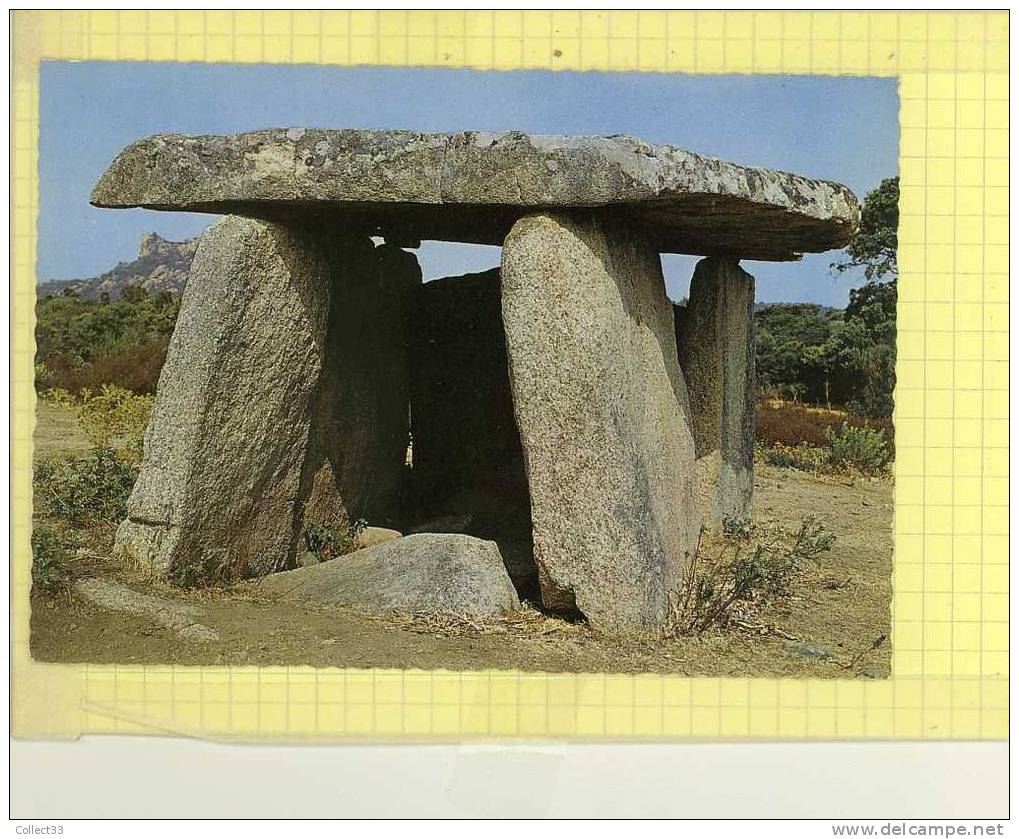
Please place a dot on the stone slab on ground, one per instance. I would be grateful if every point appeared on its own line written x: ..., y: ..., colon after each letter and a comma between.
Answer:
x: 376, y: 536
x: 179, y: 618
x: 816, y: 652
x: 473, y: 186
x: 426, y: 572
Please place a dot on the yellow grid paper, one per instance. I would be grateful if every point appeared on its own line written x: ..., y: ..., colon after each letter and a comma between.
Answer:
x: 950, y: 607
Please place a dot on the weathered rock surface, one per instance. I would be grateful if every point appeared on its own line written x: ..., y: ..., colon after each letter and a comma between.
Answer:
x: 474, y: 186
x: 306, y: 558
x: 805, y: 649
x: 283, y: 399
x: 715, y: 341
x: 180, y: 618
x: 376, y: 536
x: 427, y: 572
x: 603, y: 416
x: 467, y: 456
x: 360, y: 427
x: 225, y: 448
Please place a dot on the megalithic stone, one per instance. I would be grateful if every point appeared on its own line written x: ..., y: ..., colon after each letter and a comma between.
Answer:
x: 603, y: 416
x: 473, y: 186
x: 248, y: 397
x: 467, y: 457
x: 225, y: 448
x: 715, y: 340
x: 360, y: 429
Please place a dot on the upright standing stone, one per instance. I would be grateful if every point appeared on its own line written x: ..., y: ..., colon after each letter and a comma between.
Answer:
x: 467, y: 456
x: 225, y: 448
x: 361, y: 427
x: 715, y: 339
x: 603, y: 416
x: 267, y: 360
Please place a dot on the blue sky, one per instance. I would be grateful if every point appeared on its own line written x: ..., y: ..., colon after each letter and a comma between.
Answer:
x: 843, y: 129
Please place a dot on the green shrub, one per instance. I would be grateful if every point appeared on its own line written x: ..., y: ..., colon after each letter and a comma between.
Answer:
x: 214, y: 566
x: 721, y: 594
x: 811, y: 540
x: 859, y: 448
x: 726, y: 590
x: 84, y: 491
x: 328, y: 543
x: 88, y: 343
x: 135, y: 368
x: 44, y: 378
x: 737, y: 529
x: 111, y: 417
x: 791, y: 423
x: 803, y: 456
x: 50, y: 553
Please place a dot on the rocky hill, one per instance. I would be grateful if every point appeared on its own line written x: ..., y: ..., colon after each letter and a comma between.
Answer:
x: 161, y: 266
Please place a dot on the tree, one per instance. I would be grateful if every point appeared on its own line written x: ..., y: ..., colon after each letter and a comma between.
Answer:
x: 873, y: 306
x: 831, y: 356
x: 783, y: 330
x: 871, y: 309
x: 874, y: 246
x: 843, y: 356
x: 163, y: 300
x: 133, y: 293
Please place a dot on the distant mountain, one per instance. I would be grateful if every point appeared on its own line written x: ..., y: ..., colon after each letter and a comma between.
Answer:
x: 161, y: 266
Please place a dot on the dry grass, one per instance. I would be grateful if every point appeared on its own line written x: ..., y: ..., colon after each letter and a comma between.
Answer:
x: 57, y: 432
x: 839, y: 599
x: 136, y: 369
x: 731, y: 578
x: 727, y: 602
x: 792, y: 423
x: 525, y: 622
x: 735, y: 573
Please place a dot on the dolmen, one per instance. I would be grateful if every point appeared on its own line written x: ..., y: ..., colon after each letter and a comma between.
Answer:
x: 560, y: 406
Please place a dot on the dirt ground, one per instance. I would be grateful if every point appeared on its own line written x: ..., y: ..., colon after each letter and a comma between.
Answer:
x: 841, y: 601
x: 57, y: 432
